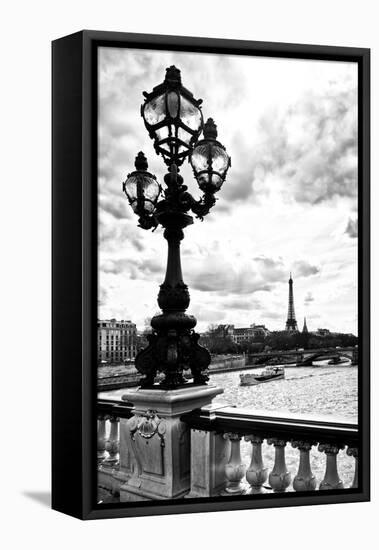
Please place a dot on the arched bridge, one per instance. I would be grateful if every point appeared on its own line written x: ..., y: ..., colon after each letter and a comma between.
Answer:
x: 338, y: 354
x: 304, y: 358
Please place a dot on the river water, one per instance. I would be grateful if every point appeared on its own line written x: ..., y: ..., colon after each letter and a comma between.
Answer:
x: 319, y: 390
x: 324, y: 390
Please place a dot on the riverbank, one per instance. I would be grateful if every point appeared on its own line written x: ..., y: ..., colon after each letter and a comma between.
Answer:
x: 126, y: 376
x: 112, y: 377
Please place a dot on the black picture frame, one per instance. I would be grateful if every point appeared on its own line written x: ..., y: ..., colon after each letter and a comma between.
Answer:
x: 74, y: 270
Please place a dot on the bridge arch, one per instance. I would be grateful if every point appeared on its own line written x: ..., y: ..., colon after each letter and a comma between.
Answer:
x: 308, y: 359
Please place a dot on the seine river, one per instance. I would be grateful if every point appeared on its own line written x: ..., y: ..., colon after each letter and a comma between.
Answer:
x: 320, y: 390
x: 325, y: 390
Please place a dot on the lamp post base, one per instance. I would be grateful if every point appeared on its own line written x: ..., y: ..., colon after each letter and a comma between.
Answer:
x: 173, y: 349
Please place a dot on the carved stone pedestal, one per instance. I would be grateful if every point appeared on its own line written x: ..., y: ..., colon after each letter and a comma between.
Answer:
x: 159, y: 443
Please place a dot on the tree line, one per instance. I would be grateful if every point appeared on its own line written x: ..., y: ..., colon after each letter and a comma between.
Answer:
x: 219, y: 343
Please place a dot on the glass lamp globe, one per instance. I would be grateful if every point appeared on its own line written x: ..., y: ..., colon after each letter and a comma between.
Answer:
x: 142, y: 188
x: 172, y: 117
x: 209, y: 160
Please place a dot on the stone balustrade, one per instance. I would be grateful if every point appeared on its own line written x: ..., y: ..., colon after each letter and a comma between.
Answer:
x: 213, y: 437
x: 304, y: 434
x: 110, y: 463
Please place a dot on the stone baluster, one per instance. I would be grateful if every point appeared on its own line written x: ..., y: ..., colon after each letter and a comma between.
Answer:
x: 304, y: 479
x: 234, y: 469
x: 280, y: 477
x: 112, y: 444
x: 256, y: 473
x: 331, y: 479
x: 353, y: 451
x: 101, y: 419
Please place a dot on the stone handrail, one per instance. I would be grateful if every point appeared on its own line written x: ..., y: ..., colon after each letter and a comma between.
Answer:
x: 217, y: 433
x: 214, y: 435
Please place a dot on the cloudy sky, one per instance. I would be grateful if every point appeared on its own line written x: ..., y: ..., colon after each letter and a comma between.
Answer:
x: 289, y: 202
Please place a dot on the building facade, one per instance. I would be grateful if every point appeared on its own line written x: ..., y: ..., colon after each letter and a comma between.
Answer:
x: 323, y: 332
x: 259, y: 331
x: 238, y: 335
x: 116, y: 341
x: 247, y: 334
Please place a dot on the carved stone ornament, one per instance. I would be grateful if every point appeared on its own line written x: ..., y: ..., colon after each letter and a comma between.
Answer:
x: 330, y: 448
x: 276, y: 442
x: 303, y: 445
x: 255, y: 439
x: 147, y: 426
x: 352, y: 451
x: 232, y: 436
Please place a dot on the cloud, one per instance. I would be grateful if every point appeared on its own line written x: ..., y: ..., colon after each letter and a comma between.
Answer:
x: 242, y: 304
x: 352, y: 228
x: 221, y: 206
x: 243, y: 282
x: 102, y: 297
x: 243, y: 178
x: 207, y: 315
x: 139, y: 268
x: 118, y: 207
x: 271, y: 269
x: 116, y: 267
x: 258, y: 274
x: 274, y: 270
x: 152, y: 265
x: 117, y: 236
x: 215, y: 273
x: 308, y: 298
x: 273, y: 315
x: 308, y: 150
x: 303, y: 268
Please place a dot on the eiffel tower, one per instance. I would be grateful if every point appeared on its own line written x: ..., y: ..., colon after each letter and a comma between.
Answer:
x: 291, y: 324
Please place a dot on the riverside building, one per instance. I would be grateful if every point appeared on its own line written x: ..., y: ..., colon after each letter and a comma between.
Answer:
x: 237, y: 335
x: 116, y: 341
x: 247, y: 334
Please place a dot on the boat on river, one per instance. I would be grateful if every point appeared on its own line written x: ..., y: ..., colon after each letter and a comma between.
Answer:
x: 267, y: 375
x: 339, y: 360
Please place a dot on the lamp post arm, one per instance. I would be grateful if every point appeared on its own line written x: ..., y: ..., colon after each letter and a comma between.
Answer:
x: 203, y: 206
x: 147, y: 222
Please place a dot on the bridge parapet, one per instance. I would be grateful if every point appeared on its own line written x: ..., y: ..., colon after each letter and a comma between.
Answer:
x: 331, y: 353
x: 232, y: 425
x: 209, y: 442
x: 302, y: 357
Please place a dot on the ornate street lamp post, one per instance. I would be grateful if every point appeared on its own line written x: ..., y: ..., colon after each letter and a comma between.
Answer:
x: 174, y: 121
